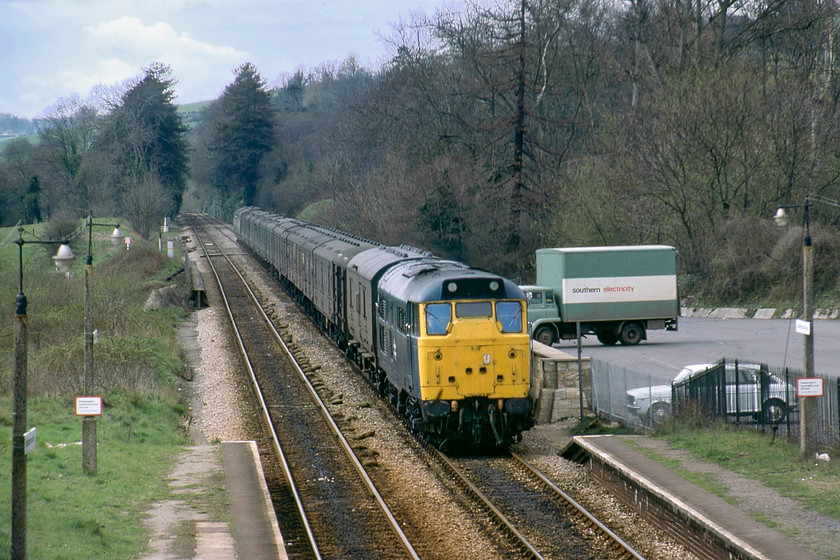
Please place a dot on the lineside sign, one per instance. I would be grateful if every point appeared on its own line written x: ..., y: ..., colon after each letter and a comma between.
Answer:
x: 809, y: 387
x: 88, y: 406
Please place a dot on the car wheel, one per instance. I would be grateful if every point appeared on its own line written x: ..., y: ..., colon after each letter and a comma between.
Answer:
x: 544, y: 335
x: 607, y: 338
x: 631, y: 334
x: 659, y: 412
x: 774, y: 411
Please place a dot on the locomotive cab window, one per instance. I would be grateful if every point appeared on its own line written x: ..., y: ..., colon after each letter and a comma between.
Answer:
x: 472, y: 309
x: 509, y: 315
x: 438, y: 318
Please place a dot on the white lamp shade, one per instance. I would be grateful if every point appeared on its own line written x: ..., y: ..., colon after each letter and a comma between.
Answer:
x: 64, y: 259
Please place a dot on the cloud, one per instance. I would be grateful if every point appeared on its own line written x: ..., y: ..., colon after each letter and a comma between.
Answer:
x: 160, y: 40
x: 57, y: 48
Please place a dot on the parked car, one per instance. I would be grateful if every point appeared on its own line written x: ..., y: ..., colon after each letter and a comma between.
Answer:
x: 653, y: 404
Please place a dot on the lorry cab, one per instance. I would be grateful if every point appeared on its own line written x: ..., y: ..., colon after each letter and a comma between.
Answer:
x: 542, y: 311
x: 541, y: 304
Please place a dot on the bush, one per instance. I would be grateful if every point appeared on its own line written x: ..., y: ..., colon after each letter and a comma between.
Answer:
x: 137, y: 351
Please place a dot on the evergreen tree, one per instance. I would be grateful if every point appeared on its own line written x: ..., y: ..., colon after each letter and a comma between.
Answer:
x: 243, y: 132
x: 148, y: 140
x: 31, y: 207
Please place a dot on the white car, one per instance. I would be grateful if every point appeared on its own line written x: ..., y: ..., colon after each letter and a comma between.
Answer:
x: 653, y: 404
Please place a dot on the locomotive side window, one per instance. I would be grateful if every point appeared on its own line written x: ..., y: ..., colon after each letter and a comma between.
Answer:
x: 509, y: 315
x: 438, y: 317
x: 474, y: 309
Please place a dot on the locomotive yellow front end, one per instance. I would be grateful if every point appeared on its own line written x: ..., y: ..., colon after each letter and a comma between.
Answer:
x: 474, y: 369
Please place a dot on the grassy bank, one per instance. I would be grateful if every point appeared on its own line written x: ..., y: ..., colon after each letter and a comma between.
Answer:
x: 137, y: 360
x: 71, y: 514
x: 774, y: 462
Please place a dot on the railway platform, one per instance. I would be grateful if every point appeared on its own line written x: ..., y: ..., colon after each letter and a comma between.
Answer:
x: 706, y: 524
x: 255, y: 531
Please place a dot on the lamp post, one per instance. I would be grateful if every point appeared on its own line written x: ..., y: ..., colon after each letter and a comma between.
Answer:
x: 89, y: 422
x: 63, y: 265
x: 808, y: 412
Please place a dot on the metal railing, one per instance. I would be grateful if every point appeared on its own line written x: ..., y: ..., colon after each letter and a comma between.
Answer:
x: 747, y: 393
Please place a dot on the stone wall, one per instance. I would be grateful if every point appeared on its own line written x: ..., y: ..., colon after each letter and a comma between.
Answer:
x: 554, y: 384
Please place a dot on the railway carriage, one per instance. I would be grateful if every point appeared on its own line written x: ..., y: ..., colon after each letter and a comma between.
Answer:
x: 446, y: 343
x: 330, y: 283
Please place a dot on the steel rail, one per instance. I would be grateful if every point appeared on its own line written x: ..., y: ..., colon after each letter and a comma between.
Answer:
x: 580, y: 510
x: 323, y: 408
x: 523, y: 541
x: 278, y: 450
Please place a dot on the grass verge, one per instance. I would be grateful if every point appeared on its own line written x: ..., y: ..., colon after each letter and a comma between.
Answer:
x: 71, y: 514
x: 774, y: 462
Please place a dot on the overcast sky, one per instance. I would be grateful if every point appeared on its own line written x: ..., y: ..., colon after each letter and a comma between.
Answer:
x: 50, y: 49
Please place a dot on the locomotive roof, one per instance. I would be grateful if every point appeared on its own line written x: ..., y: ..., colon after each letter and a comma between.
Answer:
x: 432, y: 279
x: 374, y: 261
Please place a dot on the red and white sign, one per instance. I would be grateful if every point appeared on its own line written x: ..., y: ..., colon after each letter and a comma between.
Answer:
x: 809, y: 387
x: 88, y: 406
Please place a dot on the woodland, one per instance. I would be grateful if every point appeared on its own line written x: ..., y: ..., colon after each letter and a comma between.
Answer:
x: 493, y: 131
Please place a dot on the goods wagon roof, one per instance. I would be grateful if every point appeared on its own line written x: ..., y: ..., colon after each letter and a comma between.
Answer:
x: 306, y: 237
x: 281, y: 225
x: 244, y: 210
x: 438, y: 280
x: 341, y: 249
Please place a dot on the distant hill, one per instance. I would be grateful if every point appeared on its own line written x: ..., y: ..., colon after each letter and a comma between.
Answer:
x: 191, y: 112
x: 12, y: 126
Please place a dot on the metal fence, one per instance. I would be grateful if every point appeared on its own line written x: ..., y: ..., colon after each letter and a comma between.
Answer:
x: 743, y: 392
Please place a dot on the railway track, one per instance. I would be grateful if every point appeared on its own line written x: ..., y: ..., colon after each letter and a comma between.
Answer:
x: 339, y: 510
x: 522, y: 512
x: 542, y: 520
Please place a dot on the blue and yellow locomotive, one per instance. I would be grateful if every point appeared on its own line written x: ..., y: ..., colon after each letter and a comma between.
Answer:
x: 446, y: 343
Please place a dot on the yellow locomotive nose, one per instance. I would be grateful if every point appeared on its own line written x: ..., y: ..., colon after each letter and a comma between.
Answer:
x: 494, y: 366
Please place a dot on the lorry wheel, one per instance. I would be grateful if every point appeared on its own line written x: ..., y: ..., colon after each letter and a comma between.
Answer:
x: 631, y: 334
x: 544, y: 335
x: 607, y: 338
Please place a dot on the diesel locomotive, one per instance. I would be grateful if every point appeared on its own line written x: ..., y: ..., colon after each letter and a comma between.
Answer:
x: 447, y: 344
